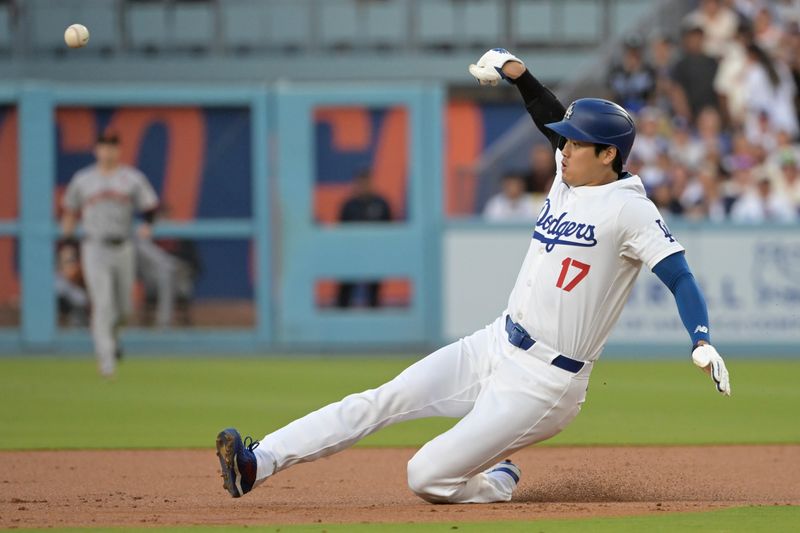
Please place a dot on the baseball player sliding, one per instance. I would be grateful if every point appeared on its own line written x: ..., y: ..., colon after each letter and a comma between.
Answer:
x: 107, y: 194
x: 523, y: 378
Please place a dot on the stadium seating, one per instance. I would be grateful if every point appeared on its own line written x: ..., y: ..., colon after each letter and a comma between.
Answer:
x: 482, y: 23
x: 6, y: 29
x: 533, y: 22
x: 339, y: 25
x: 585, y: 18
x: 288, y: 23
x: 418, y: 34
x: 193, y: 26
x: 242, y: 28
x: 386, y: 24
x: 436, y: 23
x: 147, y: 28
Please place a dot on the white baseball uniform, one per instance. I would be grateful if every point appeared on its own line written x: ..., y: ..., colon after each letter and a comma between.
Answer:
x: 107, y: 204
x: 587, y: 249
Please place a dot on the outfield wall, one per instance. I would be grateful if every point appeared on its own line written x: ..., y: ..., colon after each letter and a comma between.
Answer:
x: 250, y: 175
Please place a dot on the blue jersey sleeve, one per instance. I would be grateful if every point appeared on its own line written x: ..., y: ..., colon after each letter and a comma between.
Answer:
x: 674, y: 271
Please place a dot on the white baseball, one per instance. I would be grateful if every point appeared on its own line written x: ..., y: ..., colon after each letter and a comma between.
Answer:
x: 76, y: 36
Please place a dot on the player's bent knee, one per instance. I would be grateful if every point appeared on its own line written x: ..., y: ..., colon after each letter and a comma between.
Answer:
x: 426, y: 483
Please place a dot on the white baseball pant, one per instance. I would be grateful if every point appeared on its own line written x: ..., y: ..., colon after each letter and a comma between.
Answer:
x: 506, y: 398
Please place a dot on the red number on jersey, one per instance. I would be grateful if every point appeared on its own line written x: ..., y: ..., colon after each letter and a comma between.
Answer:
x: 583, y: 271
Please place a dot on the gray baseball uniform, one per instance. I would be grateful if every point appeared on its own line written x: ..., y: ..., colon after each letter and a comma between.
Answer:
x: 107, y: 204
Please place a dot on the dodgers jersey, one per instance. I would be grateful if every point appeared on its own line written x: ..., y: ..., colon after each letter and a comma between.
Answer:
x: 107, y: 202
x: 587, y: 249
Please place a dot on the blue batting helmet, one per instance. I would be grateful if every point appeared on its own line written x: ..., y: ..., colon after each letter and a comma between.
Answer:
x: 597, y: 121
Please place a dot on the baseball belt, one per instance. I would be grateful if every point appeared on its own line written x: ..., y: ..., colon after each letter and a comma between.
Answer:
x: 520, y: 338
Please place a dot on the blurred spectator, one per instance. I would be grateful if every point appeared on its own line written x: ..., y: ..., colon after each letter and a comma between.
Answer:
x: 759, y: 132
x: 770, y: 93
x: 742, y: 155
x: 716, y: 207
x: 762, y: 204
x: 634, y: 165
x: 632, y: 81
x: 73, y: 301
x: 649, y: 142
x: 711, y: 137
x: 365, y: 205
x: 747, y: 9
x: 766, y: 33
x: 543, y: 169
x: 693, y: 75
x: 658, y: 171
x: 684, y: 148
x: 785, y: 149
x: 786, y: 181
x: 729, y: 82
x: 703, y: 199
x: 791, y: 50
x: 511, y: 203
x: 662, y: 56
x: 787, y: 11
x: 719, y: 25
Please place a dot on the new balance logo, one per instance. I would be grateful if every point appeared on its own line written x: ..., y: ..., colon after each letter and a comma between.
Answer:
x: 701, y: 329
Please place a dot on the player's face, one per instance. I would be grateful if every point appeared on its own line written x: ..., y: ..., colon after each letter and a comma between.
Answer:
x: 107, y: 154
x: 581, y: 165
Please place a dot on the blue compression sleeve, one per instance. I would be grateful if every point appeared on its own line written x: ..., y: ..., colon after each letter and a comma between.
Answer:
x: 674, y: 271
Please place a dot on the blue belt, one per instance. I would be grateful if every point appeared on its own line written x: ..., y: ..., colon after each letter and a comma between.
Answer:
x: 520, y: 338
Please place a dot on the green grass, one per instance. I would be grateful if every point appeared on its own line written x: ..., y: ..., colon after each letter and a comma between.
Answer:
x: 180, y: 402
x: 749, y: 519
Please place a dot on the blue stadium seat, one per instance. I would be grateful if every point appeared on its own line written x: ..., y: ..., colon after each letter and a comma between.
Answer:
x: 147, y: 25
x: 437, y: 23
x: 48, y: 20
x: 533, y: 21
x: 482, y: 22
x: 194, y: 25
x: 289, y: 23
x: 386, y: 23
x: 100, y: 16
x: 581, y: 20
x: 243, y: 24
x: 339, y: 24
x: 6, y: 34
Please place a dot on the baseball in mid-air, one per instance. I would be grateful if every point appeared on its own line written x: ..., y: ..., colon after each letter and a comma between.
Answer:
x: 76, y: 36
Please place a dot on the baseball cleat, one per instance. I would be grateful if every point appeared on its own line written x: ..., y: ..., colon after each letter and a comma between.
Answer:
x: 507, y: 467
x: 237, y: 461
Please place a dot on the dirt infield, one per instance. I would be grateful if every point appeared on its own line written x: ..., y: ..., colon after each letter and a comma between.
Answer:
x: 104, y: 488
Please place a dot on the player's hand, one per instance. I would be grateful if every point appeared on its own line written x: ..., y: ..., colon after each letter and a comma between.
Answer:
x: 706, y: 357
x: 489, y: 68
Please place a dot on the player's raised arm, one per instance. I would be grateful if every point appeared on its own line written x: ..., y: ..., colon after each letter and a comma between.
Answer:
x: 541, y: 103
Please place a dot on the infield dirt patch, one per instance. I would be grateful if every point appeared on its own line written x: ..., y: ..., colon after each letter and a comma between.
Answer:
x: 171, y: 487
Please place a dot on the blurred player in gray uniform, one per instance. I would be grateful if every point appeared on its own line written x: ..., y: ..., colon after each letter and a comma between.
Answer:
x: 107, y: 194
